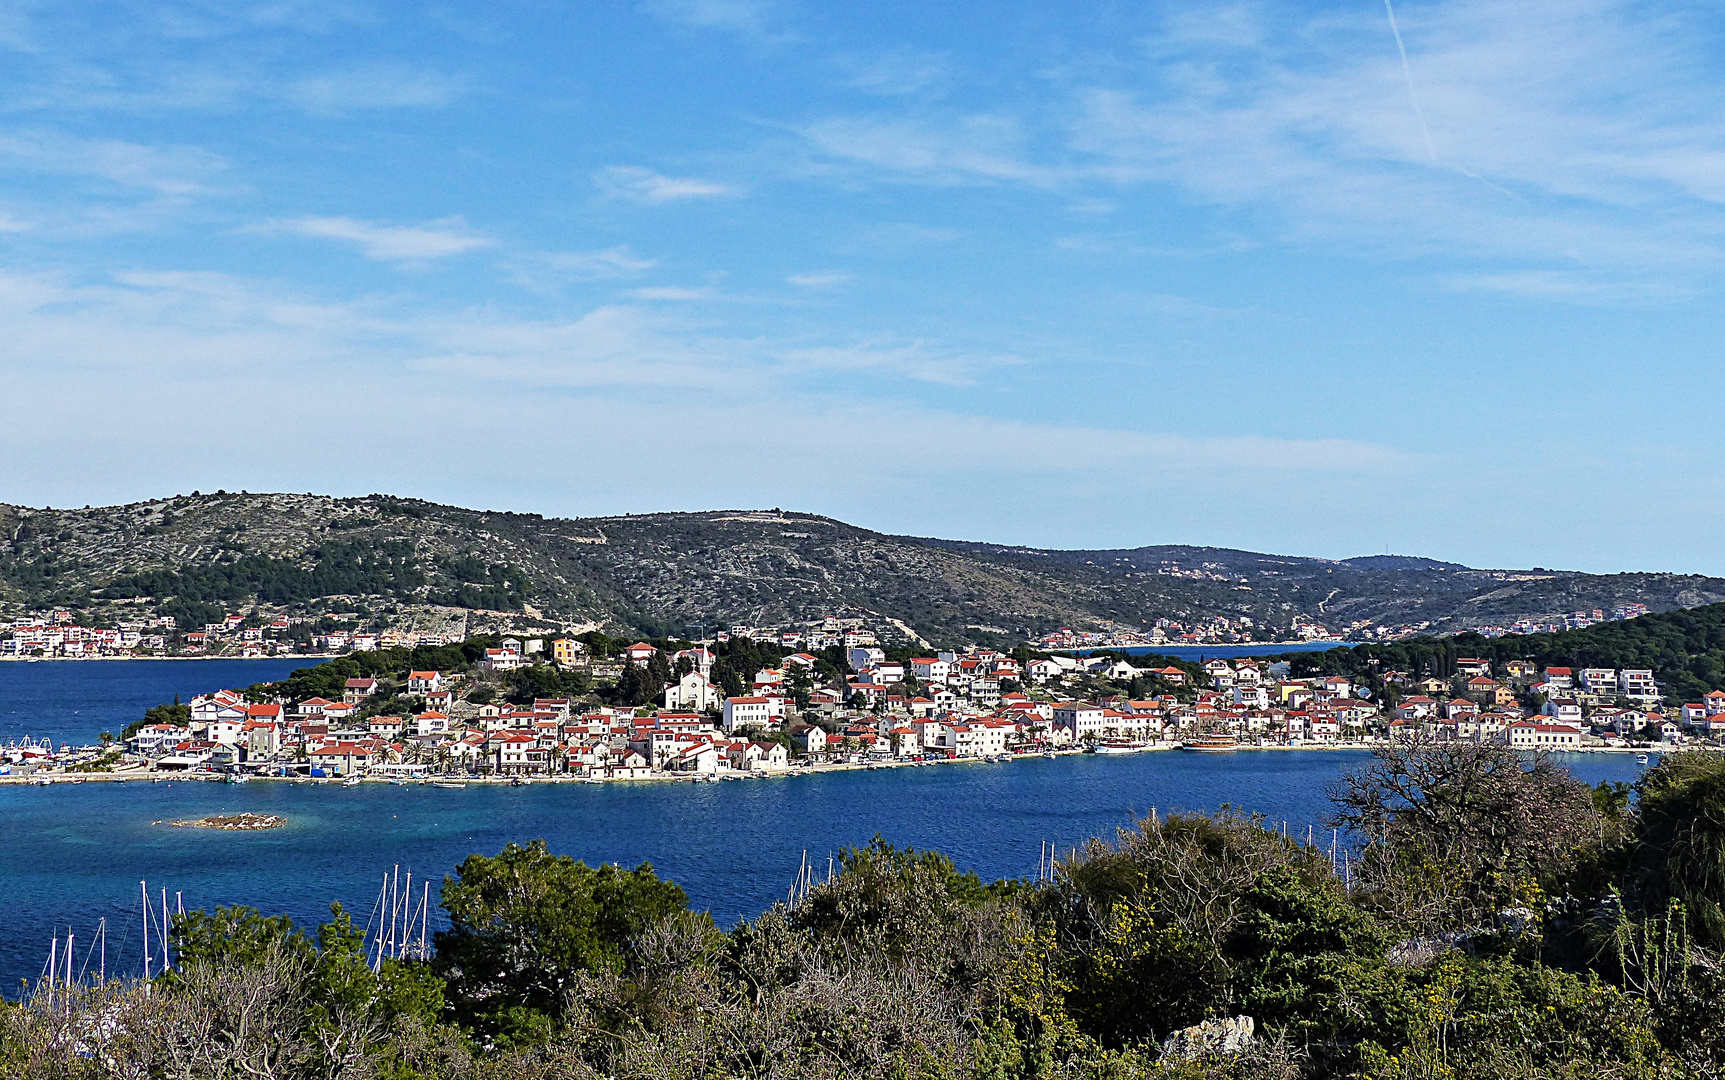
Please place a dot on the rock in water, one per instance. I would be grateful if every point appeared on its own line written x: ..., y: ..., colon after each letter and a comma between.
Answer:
x: 1226, y: 1037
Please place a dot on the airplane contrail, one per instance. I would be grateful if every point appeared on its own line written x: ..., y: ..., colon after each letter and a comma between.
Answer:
x: 1408, y: 74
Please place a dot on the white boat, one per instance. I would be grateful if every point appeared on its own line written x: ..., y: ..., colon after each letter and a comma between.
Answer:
x: 1118, y: 746
x: 450, y: 785
x: 1641, y: 759
x: 350, y: 781
x: 1212, y: 743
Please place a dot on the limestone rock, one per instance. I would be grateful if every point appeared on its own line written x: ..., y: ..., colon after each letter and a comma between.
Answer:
x: 1225, y: 1037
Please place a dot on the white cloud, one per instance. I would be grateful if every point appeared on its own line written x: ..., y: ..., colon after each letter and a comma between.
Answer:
x: 169, y: 171
x: 899, y: 72
x: 739, y: 15
x: 965, y: 149
x: 676, y: 293
x: 388, y: 243
x: 826, y: 279
x: 919, y: 361
x: 550, y: 269
x: 645, y: 185
x: 1583, y: 134
x: 902, y: 236
x: 377, y: 86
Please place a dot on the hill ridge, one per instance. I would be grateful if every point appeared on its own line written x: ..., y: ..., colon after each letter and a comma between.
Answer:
x: 676, y: 570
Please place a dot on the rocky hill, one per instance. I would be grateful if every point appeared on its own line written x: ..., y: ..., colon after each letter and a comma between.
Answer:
x: 200, y: 554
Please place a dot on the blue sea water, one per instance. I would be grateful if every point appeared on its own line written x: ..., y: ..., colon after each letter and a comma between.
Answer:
x: 73, y: 701
x: 76, y: 854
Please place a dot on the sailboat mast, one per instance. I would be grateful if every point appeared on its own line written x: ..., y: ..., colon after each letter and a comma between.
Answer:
x: 144, y: 888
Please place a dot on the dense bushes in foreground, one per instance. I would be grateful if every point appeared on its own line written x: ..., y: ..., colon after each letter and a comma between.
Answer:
x: 1497, y: 920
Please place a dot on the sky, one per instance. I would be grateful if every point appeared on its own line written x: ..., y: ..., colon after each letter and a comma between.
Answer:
x: 1310, y: 278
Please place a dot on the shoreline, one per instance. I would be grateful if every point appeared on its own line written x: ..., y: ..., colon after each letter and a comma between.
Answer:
x: 171, y: 777
x: 98, y: 659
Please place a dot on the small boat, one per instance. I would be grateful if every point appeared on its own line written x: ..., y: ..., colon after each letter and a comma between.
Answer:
x: 450, y: 785
x: 1641, y: 759
x: 398, y: 782
x: 592, y: 780
x: 238, y: 778
x: 519, y: 781
x: 1212, y: 743
x: 350, y: 781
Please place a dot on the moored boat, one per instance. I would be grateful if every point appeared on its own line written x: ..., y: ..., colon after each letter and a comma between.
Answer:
x: 1214, y: 742
x: 1118, y: 746
x: 451, y: 785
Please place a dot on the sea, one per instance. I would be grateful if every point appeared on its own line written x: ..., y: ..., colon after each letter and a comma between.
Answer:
x: 76, y: 855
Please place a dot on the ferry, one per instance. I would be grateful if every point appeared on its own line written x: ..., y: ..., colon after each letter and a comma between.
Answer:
x: 1212, y: 743
x: 1119, y: 746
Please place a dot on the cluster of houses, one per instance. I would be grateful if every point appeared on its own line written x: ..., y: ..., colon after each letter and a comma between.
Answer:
x: 57, y: 634
x: 979, y: 703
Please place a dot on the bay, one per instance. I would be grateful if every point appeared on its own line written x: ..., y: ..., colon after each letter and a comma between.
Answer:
x: 76, y: 854
x: 74, y: 701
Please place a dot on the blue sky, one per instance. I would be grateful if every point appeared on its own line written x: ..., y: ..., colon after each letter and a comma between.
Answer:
x: 1074, y: 275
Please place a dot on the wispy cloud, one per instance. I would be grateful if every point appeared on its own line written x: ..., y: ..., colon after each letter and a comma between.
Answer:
x: 1578, y: 133
x: 747, y: 16
x: 388, y: 243
x: 899, y: 72
x: 920, y: 361
x: 550, y: 269
x: 964, y: 149
x: 376, y: 86
x: 645, y: 185
x: 676, y: 293
x: 826, y: 279
x: 170, y: 171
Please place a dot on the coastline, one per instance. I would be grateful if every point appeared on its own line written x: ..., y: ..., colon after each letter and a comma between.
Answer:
x: 99, y: 659
x: 176, y: 776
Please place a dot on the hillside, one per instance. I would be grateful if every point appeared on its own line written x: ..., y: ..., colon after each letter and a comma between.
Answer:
x: 1684, y: 649
x: 201, y: 554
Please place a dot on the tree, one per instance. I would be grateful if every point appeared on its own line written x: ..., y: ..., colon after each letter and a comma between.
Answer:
x: 525, y: 923
x: 1457, y: 830
x: 1679, y: 850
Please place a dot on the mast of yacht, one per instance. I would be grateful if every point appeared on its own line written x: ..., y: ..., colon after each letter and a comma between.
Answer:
x: 144, y: 887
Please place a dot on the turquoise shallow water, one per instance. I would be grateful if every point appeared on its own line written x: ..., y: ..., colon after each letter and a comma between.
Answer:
x: 74, y: 854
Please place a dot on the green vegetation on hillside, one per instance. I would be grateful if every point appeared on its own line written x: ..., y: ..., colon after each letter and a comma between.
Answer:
x: 671, y: 574
x: 1494, y: 921
x: 1684, y: 649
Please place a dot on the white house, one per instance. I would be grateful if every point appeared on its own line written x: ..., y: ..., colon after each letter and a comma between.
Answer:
x: 1529, y: 735
x: 751, y: 711
x: 1079, y: 718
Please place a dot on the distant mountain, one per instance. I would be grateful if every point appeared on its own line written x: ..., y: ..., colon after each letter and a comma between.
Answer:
x: 199, y: 554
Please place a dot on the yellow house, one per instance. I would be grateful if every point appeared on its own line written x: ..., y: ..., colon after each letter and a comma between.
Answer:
x: 565, y: 650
